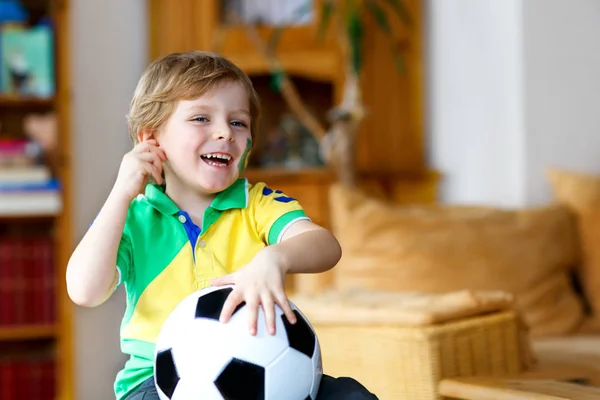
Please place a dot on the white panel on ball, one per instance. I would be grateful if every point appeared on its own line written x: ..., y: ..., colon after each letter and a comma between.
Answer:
x: 277, y: 377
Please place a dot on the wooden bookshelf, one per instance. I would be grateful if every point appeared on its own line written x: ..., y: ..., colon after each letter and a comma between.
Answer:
x: 54, y: 339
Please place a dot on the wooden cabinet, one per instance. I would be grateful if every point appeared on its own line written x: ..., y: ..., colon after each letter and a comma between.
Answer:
x: 391, y: 144
x: 36, y: 334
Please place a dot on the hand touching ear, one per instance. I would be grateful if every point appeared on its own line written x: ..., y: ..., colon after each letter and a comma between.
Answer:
x: 143, y: 161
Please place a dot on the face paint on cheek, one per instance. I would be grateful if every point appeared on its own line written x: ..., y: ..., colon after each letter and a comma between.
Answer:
x: 244, y: 159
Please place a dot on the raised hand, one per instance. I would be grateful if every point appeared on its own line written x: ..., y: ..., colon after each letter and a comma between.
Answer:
x: 144, y: 160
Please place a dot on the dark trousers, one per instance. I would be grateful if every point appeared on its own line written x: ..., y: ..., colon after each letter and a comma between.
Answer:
x: 330, y: 389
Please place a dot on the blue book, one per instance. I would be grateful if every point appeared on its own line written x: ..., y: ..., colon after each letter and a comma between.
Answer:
x: 52, y: 185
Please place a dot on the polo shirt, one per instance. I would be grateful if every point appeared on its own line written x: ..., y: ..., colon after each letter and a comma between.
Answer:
x: 163, y: 257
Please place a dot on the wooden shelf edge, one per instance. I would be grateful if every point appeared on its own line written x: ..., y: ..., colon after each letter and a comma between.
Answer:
x: 327, y: 174
x: 320, y: 65
x: 19, y: 101
x: 27, y: 332
x: 33, y: 217
x: 255, y: 175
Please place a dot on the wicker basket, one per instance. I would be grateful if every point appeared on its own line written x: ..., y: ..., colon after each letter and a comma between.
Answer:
x: 407, y: 362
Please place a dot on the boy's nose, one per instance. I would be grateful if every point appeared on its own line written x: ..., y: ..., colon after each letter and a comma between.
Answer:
x: 223, y: 133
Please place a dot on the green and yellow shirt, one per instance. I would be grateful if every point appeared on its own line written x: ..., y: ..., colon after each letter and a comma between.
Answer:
x: 163, y: 257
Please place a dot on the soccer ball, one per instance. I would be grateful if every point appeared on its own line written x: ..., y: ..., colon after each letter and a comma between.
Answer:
x: 198, y: 357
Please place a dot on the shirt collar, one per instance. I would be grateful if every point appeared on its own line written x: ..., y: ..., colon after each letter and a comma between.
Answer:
x: 235, y: 196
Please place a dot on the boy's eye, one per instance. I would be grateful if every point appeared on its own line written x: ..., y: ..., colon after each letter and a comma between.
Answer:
x: 200, y: 119
x: 239, y: 123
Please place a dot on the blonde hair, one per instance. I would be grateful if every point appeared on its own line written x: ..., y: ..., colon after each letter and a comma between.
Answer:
x: 182, y: 76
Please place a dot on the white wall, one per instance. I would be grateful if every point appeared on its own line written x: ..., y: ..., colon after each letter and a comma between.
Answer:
x: 475, y: 99
x: 108, y: 55
x: 562, y: 70
x: 514, y: 88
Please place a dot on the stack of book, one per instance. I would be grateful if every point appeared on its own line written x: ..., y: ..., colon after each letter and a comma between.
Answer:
x: 26, y: 186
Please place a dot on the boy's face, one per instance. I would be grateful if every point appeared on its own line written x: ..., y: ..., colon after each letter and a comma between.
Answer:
x: 207, y: 140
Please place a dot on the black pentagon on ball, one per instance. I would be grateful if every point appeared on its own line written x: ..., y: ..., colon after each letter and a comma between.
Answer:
x: 210, y: 305
x: 166, y: 373
x: 300, y: 335
x: 241, y: 380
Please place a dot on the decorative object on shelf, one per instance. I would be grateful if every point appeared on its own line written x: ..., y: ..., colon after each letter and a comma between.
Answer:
x: 291, y: 146
x: 267, y: 12
x: 26, y: 61
x: 43, y: 130
x: 348, y: 18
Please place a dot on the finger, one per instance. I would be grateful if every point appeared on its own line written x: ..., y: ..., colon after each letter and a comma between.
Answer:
x: 233, y: 300
x: 268, y: 305
x: 252, y: 307
x: 151, y: 170
x: 155, y: 148
x: 285, y: 306
x: 145, y: 147
x: 162, y: 154
x: 223, y: 280
x: 153, y: 160
x: 152, y: 157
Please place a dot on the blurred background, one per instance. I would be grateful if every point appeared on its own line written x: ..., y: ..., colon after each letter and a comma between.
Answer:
x: 455, y: 102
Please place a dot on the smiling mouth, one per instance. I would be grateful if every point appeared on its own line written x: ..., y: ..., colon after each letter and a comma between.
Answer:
x: 217, y: 159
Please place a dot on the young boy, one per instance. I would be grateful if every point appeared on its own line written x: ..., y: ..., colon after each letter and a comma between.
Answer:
x: 192, y: 119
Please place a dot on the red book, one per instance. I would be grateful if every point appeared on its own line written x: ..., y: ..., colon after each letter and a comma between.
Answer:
x: 4, y: 281
x: 8, y: 389
x: 19, y: 283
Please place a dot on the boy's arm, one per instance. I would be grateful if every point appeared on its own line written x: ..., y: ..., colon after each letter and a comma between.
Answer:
x: 91, y: 272
x: 307, y: 248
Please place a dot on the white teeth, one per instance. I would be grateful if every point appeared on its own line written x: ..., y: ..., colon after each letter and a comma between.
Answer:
x: 218, y: 156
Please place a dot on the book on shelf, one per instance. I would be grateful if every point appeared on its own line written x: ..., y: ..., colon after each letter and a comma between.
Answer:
x: 32, y: 174
x: 27, y: 281
x: 27, y: 186
x: 28, y: 377
x: 30, y: 199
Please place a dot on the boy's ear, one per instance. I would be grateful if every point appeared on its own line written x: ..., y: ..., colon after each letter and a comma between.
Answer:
x: 145, y: 134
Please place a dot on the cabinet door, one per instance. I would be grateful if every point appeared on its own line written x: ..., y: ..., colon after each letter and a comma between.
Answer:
x: 180, y: 25
x: 391, y: 138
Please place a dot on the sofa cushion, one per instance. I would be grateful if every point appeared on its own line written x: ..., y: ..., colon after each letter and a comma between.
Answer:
x: 432, y: 248
x: 581, y: 193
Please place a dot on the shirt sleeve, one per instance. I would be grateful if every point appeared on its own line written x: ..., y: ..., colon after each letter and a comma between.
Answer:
x: 124, y: 259
x: 274, y: 212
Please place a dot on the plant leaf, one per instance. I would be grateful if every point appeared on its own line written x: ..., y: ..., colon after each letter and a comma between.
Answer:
x: 355, y: 36
x: 327, y: 9
x: 379, y: 15
x: 276, y: 81
x: 274, y: 39
x: 401, y: 10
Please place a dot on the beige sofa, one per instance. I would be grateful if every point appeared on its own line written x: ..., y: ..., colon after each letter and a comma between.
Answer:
x: 530, y: 253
